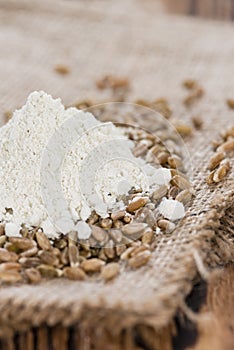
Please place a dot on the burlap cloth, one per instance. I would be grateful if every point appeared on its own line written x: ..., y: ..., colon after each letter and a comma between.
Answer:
x: 156, y: 52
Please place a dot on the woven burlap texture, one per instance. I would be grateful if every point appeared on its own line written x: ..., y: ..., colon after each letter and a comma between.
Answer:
x: 156, y: 52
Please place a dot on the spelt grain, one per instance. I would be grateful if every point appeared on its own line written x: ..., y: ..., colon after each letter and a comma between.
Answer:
x: 73, y: 255
x: 99, y: 234
x: 147, y: 236
x: 22, y: 243
x: 110, y: 271
x: 221, y: 172
x: 140, y: 259
x: 10, y: 266
x: 133, y: 228
x: 62, y: 69
x: 184, y: 197
x: 74, y: 273
x: 10, y: 277
x: 48, y: 258
x: 180, y: 182
x: 136, y: 204
x: 227, y: 147
x: 215, y: 160
x: 48, y: 271
x: 33, y: 275
x: 43, y: 241
x: 92, y: 265
x: 30, y: 252
x: 5, y: 255
x: 117, y: 215
x: 166, y: 225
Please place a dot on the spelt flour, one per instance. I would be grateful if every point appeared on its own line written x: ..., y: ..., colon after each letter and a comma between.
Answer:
x: 58, y: 164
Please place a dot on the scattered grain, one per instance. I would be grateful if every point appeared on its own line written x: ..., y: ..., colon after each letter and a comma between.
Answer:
x: 73, y: 255
x: 10, y: 266
x: 109, y: 249
x: 119, y: 249
x: 190, y: 84
x: 10, y: 277
x: 197, y: 122
x: 29, y: 262
x: 140, y: 259
x: 48, y: 271
x: 221, y: 172
x: 193, y: 97
x: 160, y: 193
x: 64, y: 256
x: 127, y: 253
x: 147, y: 236
x: 106, y: 223
x: 183, y: 129
x: 166, y: 225
x: 110, y: 271
x: 230, y: 103
x: 5, y: 255
x: 48, y: 258
x: 180, y: 182
x: 74, y: 273
x: 136, y: 204
x: 2, y: 230
x: 184, y: 196
x: 99, y: 234
x: 216, y: 160
x: 62, y: 69
x: 30, y: 252
x: 227, y: 146
x: 116, y: 235
x: 2, y: 240
x: 43, y: 241
x: 19, y: 243
x: 133, y: 228
x: 92, y: 265
x: 7, y: 116
x: 119, y: 214
x: 33, y: 275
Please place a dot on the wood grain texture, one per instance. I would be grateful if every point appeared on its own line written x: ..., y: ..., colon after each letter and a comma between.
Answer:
x: 216, y: 325
x: 219, y: 9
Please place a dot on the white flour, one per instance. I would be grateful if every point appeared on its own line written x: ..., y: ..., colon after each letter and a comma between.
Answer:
x: 94, y: 171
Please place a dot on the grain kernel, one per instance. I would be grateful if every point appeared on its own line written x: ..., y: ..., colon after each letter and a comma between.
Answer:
x: 166, y: 225
x: 184, y: 196
x: 43, y: 241
x: 33, y: 275
x: 140, y: 259
x: 134, y: 228
x: 221, y: 172
x: 180, y: 182
x: 92, y: 265
x: 110, y: 271
x: 74, y: 273
x: 230, y: 103
x: 227, y: 146
x: 62, y: 69
x: 215, y: 160
x: 136, y: 204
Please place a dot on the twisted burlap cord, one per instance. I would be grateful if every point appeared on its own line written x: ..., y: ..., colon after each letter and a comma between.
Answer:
x: 156, y: 52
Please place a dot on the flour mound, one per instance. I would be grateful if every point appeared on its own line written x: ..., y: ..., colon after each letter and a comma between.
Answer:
x: 23, y: 143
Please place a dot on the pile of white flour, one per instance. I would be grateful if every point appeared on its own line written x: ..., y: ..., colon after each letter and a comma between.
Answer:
x: 51, y: 156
